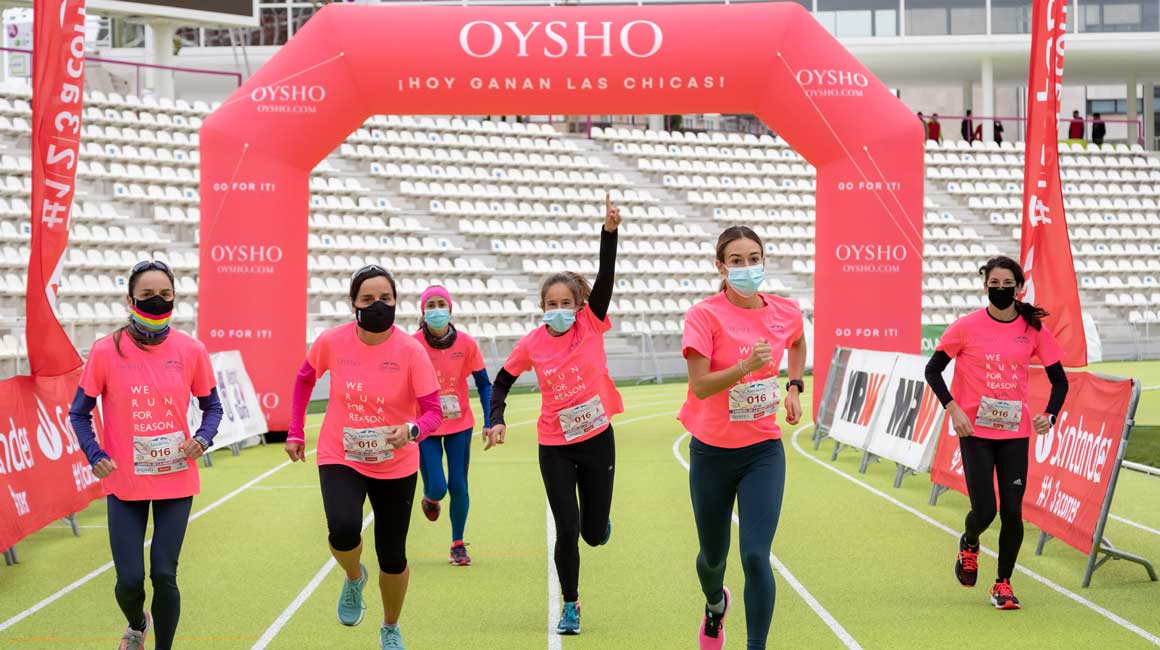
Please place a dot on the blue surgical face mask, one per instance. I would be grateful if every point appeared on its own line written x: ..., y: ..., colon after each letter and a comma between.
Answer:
x: 560, y: 320
x: 746, y: 280
x: 437, y: 318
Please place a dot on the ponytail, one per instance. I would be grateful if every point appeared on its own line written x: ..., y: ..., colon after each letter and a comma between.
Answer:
x: 136, y: 338
x: 1032, y: 314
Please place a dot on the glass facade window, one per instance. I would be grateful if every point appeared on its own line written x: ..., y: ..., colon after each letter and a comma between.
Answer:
x: 859, y: 18
x: 1119, y: 16
x: 945, y: 17
x: 1011, y: 17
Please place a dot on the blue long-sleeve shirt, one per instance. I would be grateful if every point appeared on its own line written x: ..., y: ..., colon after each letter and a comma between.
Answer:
x: 483, y: 385
x: 80, y: 414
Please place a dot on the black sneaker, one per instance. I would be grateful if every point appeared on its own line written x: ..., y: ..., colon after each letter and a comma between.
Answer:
x: 967, y: 563
x: 711, y: 634
x: 1002, y: 597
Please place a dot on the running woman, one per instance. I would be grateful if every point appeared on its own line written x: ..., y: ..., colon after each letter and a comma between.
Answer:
x: 144, y: 374
x: 993, y: 348
x: 577, y: 451
x: 384, y: 401
x: 456, y: 356
x: 733, y: 344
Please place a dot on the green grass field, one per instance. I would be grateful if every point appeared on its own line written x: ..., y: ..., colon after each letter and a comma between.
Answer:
x: 875, y: 562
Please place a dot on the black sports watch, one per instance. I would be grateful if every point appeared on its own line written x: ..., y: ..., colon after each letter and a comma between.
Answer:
x: 801, y: 385
x: 412, y: 431
x: 201, y: 441
x: 1051, y: 416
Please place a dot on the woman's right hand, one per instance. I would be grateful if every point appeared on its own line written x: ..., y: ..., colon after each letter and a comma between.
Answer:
x: 761, y: 355
x: 494, y: 436
x: 105, y: 467
x: 961, y: 424
x: 296, y: 451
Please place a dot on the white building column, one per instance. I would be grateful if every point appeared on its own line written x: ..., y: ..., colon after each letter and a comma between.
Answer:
x: 988, y: 108
x: 159, y: 48
x: 968, y: 97
x: 656, y: 122
x: 1150, y: 115
x: 1133, y: 114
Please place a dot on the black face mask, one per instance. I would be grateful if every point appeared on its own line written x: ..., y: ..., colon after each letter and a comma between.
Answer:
x: 154, y: 305
x: 377, y: 318
x: 1001, y: 297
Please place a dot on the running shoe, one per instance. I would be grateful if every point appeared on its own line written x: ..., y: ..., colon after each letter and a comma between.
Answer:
x: 135, y: 639
x: 459, y: 556
x: 607, y: 533
x: 569, y: 619
x: 967, y: 564
x: 711, y: 635
x: 431, y: 509
x: 350, y: 602
x: 1002, y: 597
x: 390, y: 638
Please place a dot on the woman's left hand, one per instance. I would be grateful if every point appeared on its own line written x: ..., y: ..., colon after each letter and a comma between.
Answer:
x: 793, y: 407
x: 1041, y: 424
x: 192, y: 449
x: 611, y: 215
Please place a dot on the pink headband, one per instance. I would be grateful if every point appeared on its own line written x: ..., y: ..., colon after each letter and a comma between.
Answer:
x: 432, y: 292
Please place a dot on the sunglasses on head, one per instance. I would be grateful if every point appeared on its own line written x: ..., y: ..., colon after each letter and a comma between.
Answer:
x: 149, y: 265
x: 369, y: 268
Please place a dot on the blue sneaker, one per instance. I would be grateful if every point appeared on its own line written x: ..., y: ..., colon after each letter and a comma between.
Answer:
x: 569, y: 620
x: 390, y: 638
x: 350, y: 602
x: 607, y: 533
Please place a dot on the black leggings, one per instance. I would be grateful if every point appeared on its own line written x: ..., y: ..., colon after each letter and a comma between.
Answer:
x: 127, y: 522
x: 754, y: 477
x: 344, y: 490
x: 587, y: 467
x: 983, y: 461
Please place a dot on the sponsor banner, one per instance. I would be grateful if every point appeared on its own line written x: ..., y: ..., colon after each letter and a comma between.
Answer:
x: 1045, y: 248
x: 931, y: 335
x: 242, y: 411
x: 861, y: 396
x: 57, y: 90
x: 44, y: 476
x: 770, y: 59
x: 907, y: 423
x: 1071, y: 467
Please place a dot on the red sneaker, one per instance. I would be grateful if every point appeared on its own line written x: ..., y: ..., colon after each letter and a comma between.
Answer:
x: 459, y: 556
x: 711, y: 634
x: 967, y: 564
x: 1002, y: 597
x: 431, y: 509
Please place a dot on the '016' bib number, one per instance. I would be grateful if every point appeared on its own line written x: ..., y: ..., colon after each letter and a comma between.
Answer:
x: 367, y: 445
x: 157, y: 455
x: 1004, y: 415
x: 582, y: 419
x: 753, y: 401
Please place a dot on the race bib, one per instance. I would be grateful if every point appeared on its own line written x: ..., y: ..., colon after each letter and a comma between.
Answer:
x: 451, y: 408
x: 753, y: 401
x: 367, y: 445
x: 583, y: 419
x: 1004, y: 415
x: 156, y: 455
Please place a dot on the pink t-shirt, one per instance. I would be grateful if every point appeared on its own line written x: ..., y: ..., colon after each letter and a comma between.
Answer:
x: 991, y: 363
x: 144, y: 400
x: 725, y: 334
x: 371, y: 387
x: 576, y: 390
x: 453, y: 368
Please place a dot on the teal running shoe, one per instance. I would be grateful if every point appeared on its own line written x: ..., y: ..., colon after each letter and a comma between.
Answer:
x: 350, y: 602
x: 391, y: 638
x: 569, y: 620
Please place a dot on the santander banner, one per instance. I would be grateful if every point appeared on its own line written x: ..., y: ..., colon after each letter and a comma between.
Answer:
x: 350, y: 62
x: 1070, y: 467
x: 58, y: 85
x: 1045, y: 248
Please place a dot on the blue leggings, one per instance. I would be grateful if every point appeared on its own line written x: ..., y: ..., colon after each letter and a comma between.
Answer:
x: 436, y: 485
x: 755, y: 477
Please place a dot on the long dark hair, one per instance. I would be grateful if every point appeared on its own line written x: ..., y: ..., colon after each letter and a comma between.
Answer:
x: 730, y: 235
x: 1032, y: 314
x: 138, y: 339
x: 576, y: 283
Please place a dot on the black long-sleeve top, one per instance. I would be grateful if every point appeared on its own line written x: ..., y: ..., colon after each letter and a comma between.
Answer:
x: 940, y: 360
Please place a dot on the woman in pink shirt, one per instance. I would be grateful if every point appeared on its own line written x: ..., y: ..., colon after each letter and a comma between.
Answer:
x: 144, y: 374
x: 577, y: 452
x: 993, y: 348
x: 456, y: 357
x: 733, y: 344
x: 384, y: 401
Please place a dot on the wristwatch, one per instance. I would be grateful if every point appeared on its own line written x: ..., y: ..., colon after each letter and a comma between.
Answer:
x: 412, y: 431
x: 1050, y: 417
x: 201, y: 441
x: 801, y: 385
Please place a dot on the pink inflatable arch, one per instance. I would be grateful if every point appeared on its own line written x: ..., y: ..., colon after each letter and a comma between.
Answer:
x: 352, y: 62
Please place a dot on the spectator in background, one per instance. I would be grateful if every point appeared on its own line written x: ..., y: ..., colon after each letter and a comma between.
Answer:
x: 925, y: 128
x: 998, y: 132
x: 1099, y: 129
x: 1075, y: 129
x: 966, y: 130
x: 934, y: 129
x: 978, y: 134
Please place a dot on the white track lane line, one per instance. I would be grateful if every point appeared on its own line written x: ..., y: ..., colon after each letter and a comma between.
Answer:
x: 555, y: 641
x: 302, y: 597
x: 843, y: 635
x: 1111, y: 616
x: 108, y: 565
x: 1134, y: 524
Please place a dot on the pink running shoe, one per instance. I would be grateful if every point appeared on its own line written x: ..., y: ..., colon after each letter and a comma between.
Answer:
x: 711, y: 635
